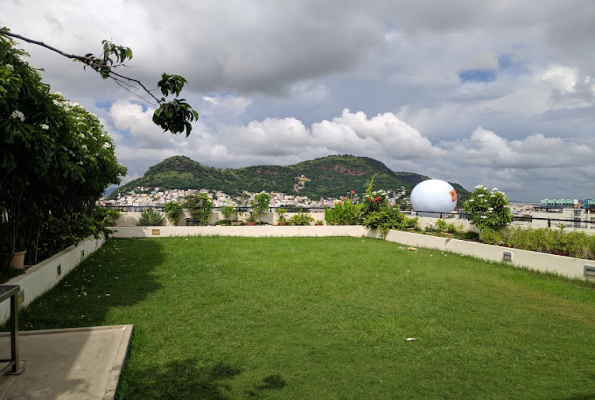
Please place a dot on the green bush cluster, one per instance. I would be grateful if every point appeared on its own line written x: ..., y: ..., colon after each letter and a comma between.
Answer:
x: 488, y: 210
x: 345, y: 212
x: 174, y: 211
x: 200, y: 208
x: 150, y: 217
x: 545, y: 240
x: 230, y: 214
x: 384, y: 220
x: 300, y: 219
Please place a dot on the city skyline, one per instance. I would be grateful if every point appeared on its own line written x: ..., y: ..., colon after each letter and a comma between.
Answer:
x: 498, y: 94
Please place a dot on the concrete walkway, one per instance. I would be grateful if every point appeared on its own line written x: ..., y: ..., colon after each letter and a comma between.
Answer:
x: 82, y: 363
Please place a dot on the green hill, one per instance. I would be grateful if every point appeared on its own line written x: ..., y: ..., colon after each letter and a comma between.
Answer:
x: 331, y: 176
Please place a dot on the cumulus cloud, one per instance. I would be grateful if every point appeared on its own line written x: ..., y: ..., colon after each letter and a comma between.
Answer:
x: 561, y: 78
x: 485, y: 148
x: 495, y: 160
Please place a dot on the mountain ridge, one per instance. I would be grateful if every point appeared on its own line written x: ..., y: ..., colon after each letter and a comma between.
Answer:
x: 330, y: 176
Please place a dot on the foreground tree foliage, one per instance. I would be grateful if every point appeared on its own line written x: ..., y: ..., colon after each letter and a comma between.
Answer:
x: 56, y: 160
x: 174, y: 116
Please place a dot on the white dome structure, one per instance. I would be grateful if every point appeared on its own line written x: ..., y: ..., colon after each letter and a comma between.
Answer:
x: 432, y: 197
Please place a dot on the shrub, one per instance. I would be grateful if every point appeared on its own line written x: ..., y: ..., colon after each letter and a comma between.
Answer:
x: 490, y: 236
x: 488, y: 210
x: 173, y: 210
x: 470, y: 235
x: 150, y: 217
x: 574, y: 243
x: 228, y: 212
x: 374, y: 201
x: 440, y: 225
x: 410, y: 223
x: 389, y: 218
x: 103, y: 218
x: 345, y: 212
x: 281, y: 214
x: 200, y: 208
x: 300, y: 219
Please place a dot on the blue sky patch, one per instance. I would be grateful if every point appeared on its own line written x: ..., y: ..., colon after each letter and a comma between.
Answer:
x: 477, y: 75
x: 106, y: 105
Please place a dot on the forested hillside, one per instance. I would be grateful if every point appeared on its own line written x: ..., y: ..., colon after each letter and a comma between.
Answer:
x: 331, y: 176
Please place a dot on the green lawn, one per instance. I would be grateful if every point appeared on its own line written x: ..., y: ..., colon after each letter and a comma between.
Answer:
x: 328, y: 318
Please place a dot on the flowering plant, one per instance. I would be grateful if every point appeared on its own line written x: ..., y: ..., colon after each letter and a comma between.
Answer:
x: 373, y: 201
x: 488, y: 210
x: 344, y: 212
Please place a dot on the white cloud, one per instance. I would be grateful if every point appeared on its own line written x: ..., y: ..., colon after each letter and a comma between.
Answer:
x: 485, y: 148
x: 222, y: 105
x: 561, y: 78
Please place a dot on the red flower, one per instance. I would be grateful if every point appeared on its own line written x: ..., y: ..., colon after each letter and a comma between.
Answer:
x: 340, y: 202
x: 352, y: 192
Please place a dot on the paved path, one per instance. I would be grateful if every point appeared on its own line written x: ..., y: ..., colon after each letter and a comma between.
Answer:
x: 77, y: 364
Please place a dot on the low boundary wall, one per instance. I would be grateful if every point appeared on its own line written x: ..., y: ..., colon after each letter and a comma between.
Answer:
x: 41, y: 277
x: 248, y: 231
x: 565, y: 266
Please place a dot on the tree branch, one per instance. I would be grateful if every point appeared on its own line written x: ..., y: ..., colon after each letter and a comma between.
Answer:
x: 89, y: 62
x: 174, y: 116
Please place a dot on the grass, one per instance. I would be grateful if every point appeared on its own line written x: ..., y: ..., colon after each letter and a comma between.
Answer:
x: 328, y: 318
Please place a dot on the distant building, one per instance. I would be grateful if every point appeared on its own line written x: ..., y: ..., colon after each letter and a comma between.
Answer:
x: 558, y: 203
x: 577, y: 217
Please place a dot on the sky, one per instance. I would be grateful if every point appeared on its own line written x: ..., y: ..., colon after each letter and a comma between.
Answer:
x: 498, y: 93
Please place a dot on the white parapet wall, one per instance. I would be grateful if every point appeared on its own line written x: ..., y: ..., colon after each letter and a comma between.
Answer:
x: 41, y: 277
x: 131, y: 218
x: 246, y: 231
x: 565, y: 266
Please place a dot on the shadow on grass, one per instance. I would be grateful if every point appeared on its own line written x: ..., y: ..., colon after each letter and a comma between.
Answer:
x: 272, y: 382
x: 182, y: 379
x: 583, y: 396
x: 117, y: 275
x: 179, y: 379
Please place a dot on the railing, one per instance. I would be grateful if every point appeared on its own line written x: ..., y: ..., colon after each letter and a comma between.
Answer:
x: 575, y: 223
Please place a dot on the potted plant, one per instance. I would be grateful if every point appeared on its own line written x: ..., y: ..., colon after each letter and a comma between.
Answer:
x: 260, y: 205
x: 301, y: 219
x: 173, y: 210
x: 229, y: 214
x: 8, y: 259
x: 281, y: 216
x: 411, y: 223
x: 200, y: 208
x: 150, y: 217
x: 319, y: 222
x: 251, y: 219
